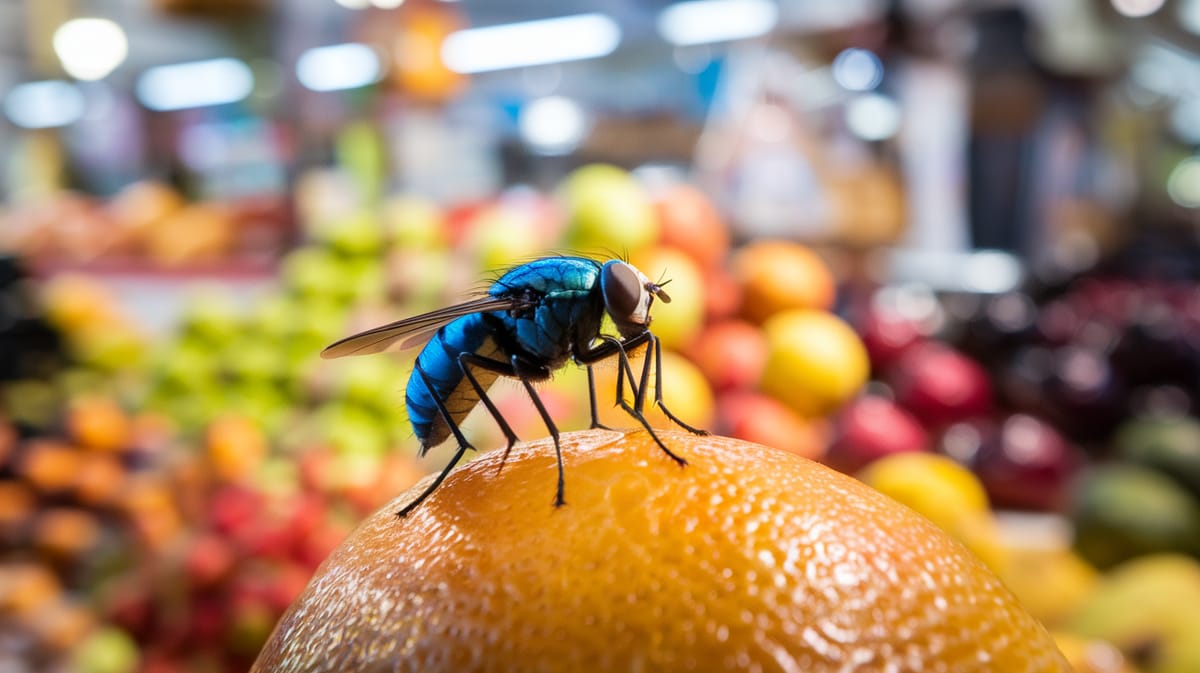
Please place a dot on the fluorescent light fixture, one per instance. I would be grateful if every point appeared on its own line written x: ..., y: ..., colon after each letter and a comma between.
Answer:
x: 387, y: 4
x: 196, y: 84
x: 516, y: 45
x: 982, y: 271
x: 337, y: 67
x: 705, y: 21
x: 1137, y: 8
x: 44, y: 105
x: 553, y: 125
x: 991, y: 272
x: 90, y: 49
x: 353, y: 4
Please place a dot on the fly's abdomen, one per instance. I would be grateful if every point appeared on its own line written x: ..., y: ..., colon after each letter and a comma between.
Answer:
x: 438, y: 362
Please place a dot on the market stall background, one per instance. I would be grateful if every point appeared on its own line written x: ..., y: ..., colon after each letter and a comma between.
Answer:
x: 947, y: 247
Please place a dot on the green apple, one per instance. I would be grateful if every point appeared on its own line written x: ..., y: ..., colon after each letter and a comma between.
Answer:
x: 351, y: 429
x: 312, y: 271
x: 362, y: 279
x: 212, y: 315
x: 107, y: 650
x: 1149, y: 608
x: 371, y: 380
x: 418, y: 277
x: 359, y: 234
x: 500, y: 237
x: 256, y: 360
x: 607, y: 211
x: 414, y: 222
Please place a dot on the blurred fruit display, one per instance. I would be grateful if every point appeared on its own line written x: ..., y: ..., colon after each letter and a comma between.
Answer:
x: 146, y: 225
x: 173, y: 495
x: 168, y: 497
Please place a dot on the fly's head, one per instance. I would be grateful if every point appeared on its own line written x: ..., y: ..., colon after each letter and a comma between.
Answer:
x: 628, y: 295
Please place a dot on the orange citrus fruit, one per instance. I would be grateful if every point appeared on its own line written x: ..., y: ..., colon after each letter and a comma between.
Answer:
x: 748, y: 558
x: 779, y: 275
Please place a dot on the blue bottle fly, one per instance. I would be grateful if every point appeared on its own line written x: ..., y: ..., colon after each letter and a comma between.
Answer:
x: 532, y: 320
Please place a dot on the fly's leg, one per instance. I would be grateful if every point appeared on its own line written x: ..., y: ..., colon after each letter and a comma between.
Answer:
x: 559, y: 500
x: 463, y: 445
x: 591, y: 377
x: 501, y: 368
x: 514, y: 370
x: 658, y: 388
x: 635, y: 411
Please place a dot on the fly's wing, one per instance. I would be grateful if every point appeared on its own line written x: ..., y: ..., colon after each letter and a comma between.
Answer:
x: 418, y: 328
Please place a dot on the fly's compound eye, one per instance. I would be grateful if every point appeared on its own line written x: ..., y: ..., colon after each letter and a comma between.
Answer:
x: 624, y: 292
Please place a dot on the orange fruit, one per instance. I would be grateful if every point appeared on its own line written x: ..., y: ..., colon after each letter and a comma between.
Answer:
x: 689, y: 221
x: 99, y: 423
x: 779, y: 275
x: 235, y: 447
x: 749, y: 558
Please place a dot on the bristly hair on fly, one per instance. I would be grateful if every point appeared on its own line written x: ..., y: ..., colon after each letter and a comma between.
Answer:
x: 493, y: 275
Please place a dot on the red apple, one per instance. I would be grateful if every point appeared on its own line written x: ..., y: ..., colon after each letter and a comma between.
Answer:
x: 722, y: 294
x: 234, y: 507
x: 887, y: 336
x: 208, y: 560
x: 762, y: 419
x: 321, y: 544
x: 1026, y: 465
x: 940, y: 385
x: 871, y: 427
x: 285, y: 583
x: 267, y: 537
x: 731, y: 354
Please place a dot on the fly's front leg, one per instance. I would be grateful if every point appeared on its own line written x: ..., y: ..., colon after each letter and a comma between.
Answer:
x: 591, y: 378
x: 658, y: 387
x: 615, y: 346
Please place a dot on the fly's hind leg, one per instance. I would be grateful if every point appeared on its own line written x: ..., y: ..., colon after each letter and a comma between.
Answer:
x: 463, y: 445
x: 515, y: 369
x: 559, y: 499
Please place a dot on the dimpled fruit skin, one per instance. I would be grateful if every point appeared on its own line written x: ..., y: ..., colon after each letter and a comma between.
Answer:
x: 749, y: 558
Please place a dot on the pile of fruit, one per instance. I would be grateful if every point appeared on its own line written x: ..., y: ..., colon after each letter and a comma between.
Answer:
x: 147, y: 224
x: 1077, y: 406
x: 175, y: 495
x: 165, y: 499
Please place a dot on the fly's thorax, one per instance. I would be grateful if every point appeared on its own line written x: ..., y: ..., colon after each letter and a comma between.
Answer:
x: 547, y: 334
x: 628, y: 295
